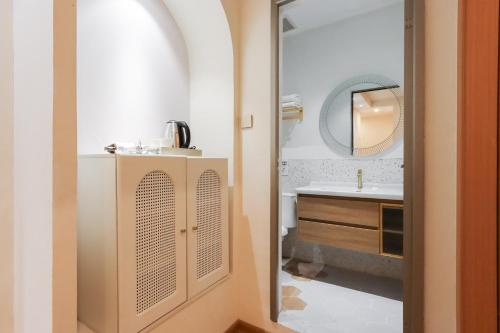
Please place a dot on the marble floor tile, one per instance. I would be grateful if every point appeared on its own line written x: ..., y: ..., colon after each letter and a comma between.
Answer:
x: 345, y: 302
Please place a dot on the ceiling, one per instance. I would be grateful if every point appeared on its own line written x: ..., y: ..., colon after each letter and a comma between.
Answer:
x: 309, y: 14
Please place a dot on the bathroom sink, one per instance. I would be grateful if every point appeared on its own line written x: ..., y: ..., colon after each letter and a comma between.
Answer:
x: 369, y: 190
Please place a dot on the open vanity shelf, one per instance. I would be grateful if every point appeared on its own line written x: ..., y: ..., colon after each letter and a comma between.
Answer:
x: 391, y: 229
x: 359, y: 224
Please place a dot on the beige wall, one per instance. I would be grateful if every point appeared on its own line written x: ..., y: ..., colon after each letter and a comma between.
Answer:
x: 6, y: 181
x: 440, y: 165
x: 214, y: 312
x: 64, y: 169
x: 252, y: 258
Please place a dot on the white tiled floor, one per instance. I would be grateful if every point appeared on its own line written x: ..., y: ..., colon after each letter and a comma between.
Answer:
x: 337, y: 307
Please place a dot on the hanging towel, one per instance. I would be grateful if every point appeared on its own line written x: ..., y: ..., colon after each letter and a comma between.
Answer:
x: 291, y: 98
x: 291, y: 105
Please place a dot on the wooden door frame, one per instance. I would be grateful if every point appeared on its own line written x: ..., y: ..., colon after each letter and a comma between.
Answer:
x: 414, y: 165
x: 414, y: 161
x: 275, y: 230
x: 6, y: 168
x: 477, y: 183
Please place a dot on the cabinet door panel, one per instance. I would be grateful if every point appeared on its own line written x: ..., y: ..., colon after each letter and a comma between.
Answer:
x: 357, y: 239
x: 207, y: 216
x: 355, y: 212
x: 151, y: 197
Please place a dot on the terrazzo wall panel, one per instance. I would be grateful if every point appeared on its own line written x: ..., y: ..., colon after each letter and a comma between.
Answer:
x: 302, y: 171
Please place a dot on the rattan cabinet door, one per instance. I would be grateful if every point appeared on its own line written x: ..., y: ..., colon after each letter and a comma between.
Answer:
x: 207, y: 216
x: 151, y: 207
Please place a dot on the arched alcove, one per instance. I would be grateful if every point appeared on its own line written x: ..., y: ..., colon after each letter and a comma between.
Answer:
x: 190, y: 43
x: 133, y: 72
x: 141, y: 63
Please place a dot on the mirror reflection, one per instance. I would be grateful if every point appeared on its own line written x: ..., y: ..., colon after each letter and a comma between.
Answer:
x: 363, y: 116
x: 375, y: 116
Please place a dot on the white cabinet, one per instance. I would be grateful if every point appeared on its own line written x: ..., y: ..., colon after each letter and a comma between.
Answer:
x: 151, y: 211
x: 152, y: 233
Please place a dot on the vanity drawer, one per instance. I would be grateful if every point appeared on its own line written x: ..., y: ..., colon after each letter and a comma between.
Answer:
x: 358, y: 239
x: 362, y: 213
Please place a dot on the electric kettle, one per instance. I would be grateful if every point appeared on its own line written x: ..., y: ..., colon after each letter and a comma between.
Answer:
x: 177, y: 134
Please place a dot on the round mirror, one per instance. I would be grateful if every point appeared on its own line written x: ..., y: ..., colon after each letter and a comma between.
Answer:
x: 363, y: 116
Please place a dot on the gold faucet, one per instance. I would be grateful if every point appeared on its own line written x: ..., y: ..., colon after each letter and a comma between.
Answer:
x: 360, y: 180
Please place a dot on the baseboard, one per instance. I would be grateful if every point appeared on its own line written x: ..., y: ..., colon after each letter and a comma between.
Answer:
x: 243, y: 327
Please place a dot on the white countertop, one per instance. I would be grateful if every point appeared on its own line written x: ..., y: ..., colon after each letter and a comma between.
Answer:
x: 369, y: 190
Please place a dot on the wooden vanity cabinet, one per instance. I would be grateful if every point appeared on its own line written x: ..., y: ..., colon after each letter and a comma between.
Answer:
x: 353, y: 238
x: 365, y: 225
x: 348, y: 212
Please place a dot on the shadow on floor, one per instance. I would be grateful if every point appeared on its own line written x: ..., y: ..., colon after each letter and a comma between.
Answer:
x: 375, y: 285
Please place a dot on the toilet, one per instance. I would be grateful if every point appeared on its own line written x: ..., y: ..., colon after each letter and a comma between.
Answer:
x: 288, y: 212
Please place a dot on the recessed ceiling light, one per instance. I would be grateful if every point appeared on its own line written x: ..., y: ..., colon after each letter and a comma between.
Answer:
x: 376, y: 109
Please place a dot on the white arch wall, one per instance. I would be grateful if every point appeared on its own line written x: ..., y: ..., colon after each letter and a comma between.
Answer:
x: 133, y: 72
x: 208, y: 38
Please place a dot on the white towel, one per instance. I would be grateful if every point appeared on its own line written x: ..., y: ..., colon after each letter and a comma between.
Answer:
x: 291, y: 105
x: 291, y: 98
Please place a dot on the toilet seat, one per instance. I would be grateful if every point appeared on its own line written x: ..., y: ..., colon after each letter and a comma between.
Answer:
x: 288, y: 212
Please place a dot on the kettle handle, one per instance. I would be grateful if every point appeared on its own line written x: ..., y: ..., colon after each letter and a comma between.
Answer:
x: 186, y: 134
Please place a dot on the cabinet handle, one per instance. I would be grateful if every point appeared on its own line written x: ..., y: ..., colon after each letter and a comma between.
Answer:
x: 183, y: 231
x: 195, y: 228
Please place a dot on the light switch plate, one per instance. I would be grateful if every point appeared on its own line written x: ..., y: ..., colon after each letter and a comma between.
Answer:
x: 247, y: 121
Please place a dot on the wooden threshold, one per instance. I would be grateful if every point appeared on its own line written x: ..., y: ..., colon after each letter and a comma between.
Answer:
x: 241, y: 326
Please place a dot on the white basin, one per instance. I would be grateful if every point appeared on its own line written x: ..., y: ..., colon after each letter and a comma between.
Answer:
x: 369, y: 190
